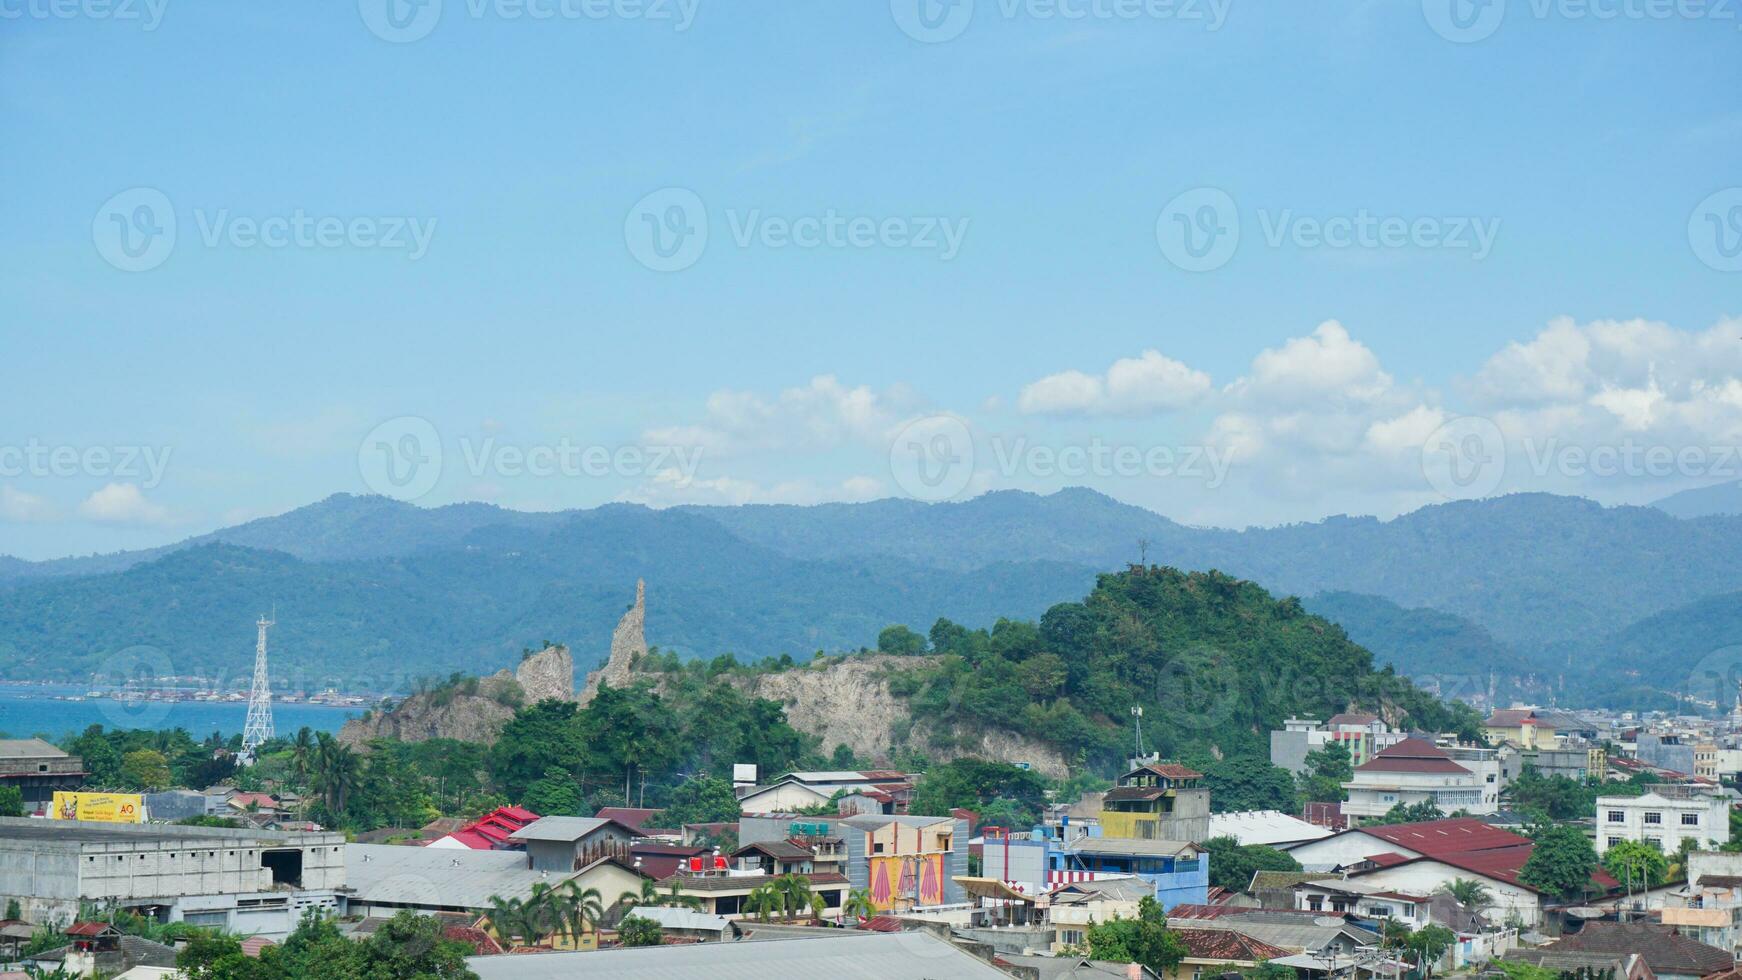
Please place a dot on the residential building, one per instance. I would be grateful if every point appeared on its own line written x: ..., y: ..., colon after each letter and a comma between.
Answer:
x: 1719, y: 764
x: 1670, y: 954
x: 1158, y: 801
x: 1416, y: 771
x: 1178, y: 871
x: 687, y: 925
x: 1423, y: 858
x: 1363, y: 735
x: 1665, y: 816
x: 38, y: 770
x: 1709, y: 907
x: 851, y: 953
x: 1296, y: 932
x: 1217, y: 952
x: 1666, y: 750
x: 1364, y: 899
x: 1575, y: 760
x: 801, y: 790
x: 723, y: 891
x: 904, y: 860
x: 1078, y: 907
x: 1523, y: 727
x: 248, y: 881
x: 564, y: 844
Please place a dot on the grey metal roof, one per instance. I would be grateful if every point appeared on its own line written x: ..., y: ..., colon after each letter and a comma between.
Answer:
x: 680, y: 918
x: 559, y: 828
x: 439, y: 877
x: 28, y: 748
x: 1303, y: 934
x: 1129, y: 846
x: 892, y: 956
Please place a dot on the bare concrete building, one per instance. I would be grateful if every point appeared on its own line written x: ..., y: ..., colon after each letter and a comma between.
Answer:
x: 254, y: 882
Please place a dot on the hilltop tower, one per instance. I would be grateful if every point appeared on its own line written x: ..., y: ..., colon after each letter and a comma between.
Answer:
x: 259, y: 725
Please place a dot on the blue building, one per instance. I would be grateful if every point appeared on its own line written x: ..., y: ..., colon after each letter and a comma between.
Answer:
x: 1179, y: 870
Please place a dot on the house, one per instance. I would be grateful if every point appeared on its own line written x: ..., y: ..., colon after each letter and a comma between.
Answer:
x: 1178, y: 871
x: 1216, y: 951
x: 1077, y: 907
x: 1665, y: 816
x: 776, y: 857
x: 99, y: 949
x: 851, y: 953
x: 1423, y: 858
x: 38, y: 770
x: 1363, y: 735
x: 1523, y: 727
x: 660, y: 861
x: 1669, y: 954
x: 903, y: 860
x: 723, y: 891
x: 1074, y: 968
x: 1157, y: 801
x: 565, y: 844
x: 1709, y: 907
x: 491, y: 832
x: 1363, y: 899
x: 804, y: 790
x: 1416, y: 771
x: 1296, y: 932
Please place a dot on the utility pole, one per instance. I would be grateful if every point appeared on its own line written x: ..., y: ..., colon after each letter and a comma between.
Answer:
x: 1137, y: 716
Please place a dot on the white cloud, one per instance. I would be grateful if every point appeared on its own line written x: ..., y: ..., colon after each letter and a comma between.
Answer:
x: 823, y: 414
x: 19, y: 507
x: 1147, y: 384
x: 1307, y: 370
x: 122, y: 503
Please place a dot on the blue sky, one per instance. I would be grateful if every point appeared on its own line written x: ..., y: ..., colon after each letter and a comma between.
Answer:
x: 1550, y: 182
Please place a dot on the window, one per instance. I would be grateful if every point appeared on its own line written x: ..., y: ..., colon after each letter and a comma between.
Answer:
x: 1613, y: 841
x: 1616, y: 816
x: 1690, y: 820
x: 1652, y: 816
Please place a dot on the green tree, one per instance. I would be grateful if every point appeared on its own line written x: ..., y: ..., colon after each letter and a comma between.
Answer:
x: 1419, y: 812
x: 554, y: 795
x: 704, y: 799
x: 536, y: 740
x: 1233, y: 864
x: 1636, y: 864
x: 900, y: 641
x: 1144, y: 940
x: 1241, y: 784
x: 974, y: 783
x: 145, y: 769
x: 1470, y: 893
x: 1327, y: 769
x: 637, y: 931
x: 1561, y: 862
x: 11, y: 804
x: 1266, y: 970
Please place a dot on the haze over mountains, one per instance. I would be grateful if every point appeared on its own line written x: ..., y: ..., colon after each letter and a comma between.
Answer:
x: 370, y: 591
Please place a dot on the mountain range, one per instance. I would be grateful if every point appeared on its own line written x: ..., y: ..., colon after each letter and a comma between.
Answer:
x: 371, y: 591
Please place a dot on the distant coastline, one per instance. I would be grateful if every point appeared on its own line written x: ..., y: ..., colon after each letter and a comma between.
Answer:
x: 54, y: 709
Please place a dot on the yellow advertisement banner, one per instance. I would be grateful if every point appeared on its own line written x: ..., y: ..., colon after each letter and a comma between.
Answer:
x: 104, y: 807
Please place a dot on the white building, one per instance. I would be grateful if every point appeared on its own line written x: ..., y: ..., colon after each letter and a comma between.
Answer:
x: 1666, y: 816
x: 1416, y: 771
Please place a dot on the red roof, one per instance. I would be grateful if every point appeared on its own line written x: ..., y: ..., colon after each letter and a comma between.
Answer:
x: 1226, y: 944
x: 632, y: 816
x: 89, y: 929
x: 1171, y: 770
x: 492, y: 830
x: 1386, y: 859
x: 1412, y: 755
x: 482, y: 943
x: 1439, y: 838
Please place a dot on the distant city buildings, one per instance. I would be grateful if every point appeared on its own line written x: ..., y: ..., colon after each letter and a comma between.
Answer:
x: 1665, y: 816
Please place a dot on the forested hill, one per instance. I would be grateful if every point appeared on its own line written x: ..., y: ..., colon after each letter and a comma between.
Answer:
x: 1214, y: 662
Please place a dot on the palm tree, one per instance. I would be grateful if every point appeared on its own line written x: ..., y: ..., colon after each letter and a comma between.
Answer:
x: 859, y: 904
x: 509, y: 917
x: 337, y: 773
x: 675, y: 897
x: 302, y: 749
x: 648, y: 895
x: 795, y: 893
x: 764, y: 899
x: 584, y: 908
x: 1470, y: 893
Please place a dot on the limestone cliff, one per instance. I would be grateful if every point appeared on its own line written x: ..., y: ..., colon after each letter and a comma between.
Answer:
x: 628, y: 644
x: 470, y: 712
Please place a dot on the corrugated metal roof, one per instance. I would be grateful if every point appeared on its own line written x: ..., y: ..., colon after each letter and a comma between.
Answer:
x: 439, y: 878
x: 680, y: 918
x: 1264, y: 827
x: 884, y: 956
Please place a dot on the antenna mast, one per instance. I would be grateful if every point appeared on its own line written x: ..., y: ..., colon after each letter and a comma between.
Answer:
x: 259, y: 726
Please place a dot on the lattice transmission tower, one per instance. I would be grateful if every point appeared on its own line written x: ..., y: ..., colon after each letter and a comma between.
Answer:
x: 259, y: 726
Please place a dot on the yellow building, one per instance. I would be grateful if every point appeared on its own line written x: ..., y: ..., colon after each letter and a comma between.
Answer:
x: 1157, y: 801
x: 1521, y: 726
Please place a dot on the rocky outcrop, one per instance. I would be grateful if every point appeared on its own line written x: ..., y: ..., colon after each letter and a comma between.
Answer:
x: 849, y: 703
x: 628, y: 644
x: 546, y: 675
x: 470, y: 715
